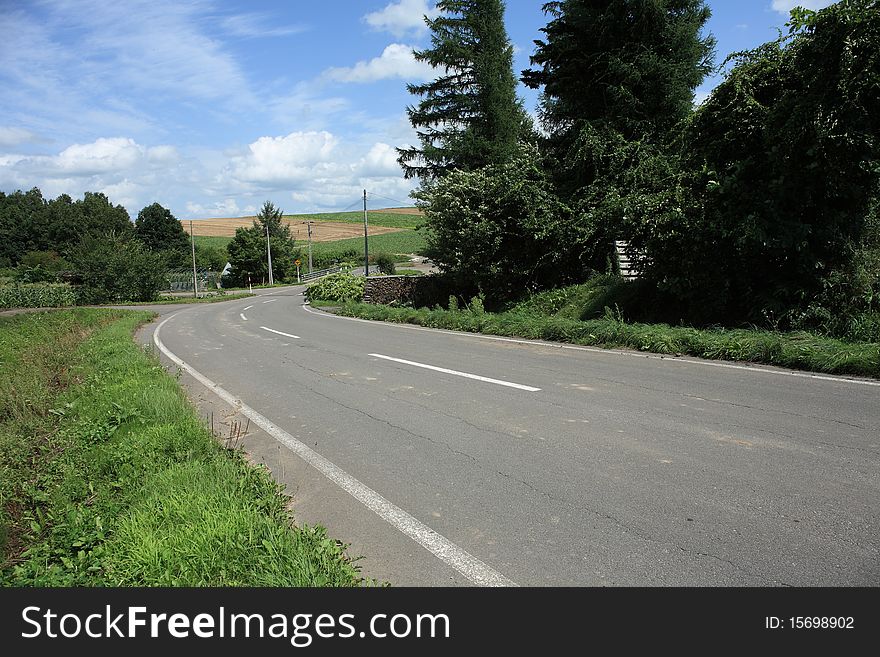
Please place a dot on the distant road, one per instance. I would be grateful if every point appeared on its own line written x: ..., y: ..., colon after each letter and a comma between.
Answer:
x: 454, y: 459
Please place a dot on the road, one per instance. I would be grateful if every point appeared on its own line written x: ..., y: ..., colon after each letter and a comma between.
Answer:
x: 456, y: 459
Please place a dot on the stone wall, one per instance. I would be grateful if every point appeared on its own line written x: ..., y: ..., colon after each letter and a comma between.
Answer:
x: 391, y: 289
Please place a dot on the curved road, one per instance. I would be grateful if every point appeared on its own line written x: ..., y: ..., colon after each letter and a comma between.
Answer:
x: 455, y: 459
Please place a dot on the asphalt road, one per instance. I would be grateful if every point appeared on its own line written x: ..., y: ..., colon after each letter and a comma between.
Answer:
x: 556, y: 465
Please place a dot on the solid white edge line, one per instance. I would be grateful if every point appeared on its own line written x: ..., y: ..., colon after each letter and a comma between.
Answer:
x: 468, y: 565
x: 242, y: 316
x: 286, y: 335
x: 499, y: 382
x: 599, y: 350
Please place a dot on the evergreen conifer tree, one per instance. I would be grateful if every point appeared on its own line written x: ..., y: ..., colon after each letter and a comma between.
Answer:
x: 469, y: 116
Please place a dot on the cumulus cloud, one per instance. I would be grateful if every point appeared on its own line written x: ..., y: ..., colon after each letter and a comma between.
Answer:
x: 381, y: 160
x: 396, y: 61
x: 284, y: 160
x: 785, y: 6
x: 402, y: 17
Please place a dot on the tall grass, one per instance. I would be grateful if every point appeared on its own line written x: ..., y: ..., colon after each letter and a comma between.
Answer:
x: 796, y: 350
x: 110, y: 479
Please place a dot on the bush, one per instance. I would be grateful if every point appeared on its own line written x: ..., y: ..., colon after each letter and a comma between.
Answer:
x: 385, y: 263
x: 337, y: 287
x: 36, y: 295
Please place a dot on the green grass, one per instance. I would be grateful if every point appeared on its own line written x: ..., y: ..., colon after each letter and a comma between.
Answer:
x: 795, y: 350
x: 214, y: 241
x: 212, y: 297
x: 109, y: 478
x: 408, y: 241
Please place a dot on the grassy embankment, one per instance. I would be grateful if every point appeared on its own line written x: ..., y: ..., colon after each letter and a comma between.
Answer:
x: 581, y: 315
x: 109, y: 478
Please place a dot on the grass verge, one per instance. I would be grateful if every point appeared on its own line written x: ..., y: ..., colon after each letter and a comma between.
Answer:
x: 109, y: 478
x: 794, y: 350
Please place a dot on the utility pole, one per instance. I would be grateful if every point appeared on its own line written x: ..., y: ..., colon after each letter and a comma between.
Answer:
x: 192, y: 240
x: 309, y: 226
x: 269, y: 252
x: 366, y: 246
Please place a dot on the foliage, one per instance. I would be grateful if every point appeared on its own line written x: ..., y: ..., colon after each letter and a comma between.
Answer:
x: 115, y: 268
x: 30, y: 223
x: 36, y: 295
x: 499, y: 230
x: 764, y: 214
x: 248, y: 250
x: 160, y: 231
x: 622, y: 67
x: 385, y: 263
x: 337, y: 287
x: 212, y: 258
x: 469, y: 116
x: 40, y: 267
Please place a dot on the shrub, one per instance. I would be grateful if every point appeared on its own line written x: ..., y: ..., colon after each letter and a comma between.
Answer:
x: 385, y: 263
x: 337, y: 287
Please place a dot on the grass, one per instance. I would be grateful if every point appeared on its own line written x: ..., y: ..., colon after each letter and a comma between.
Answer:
x: 210, y: 298
x: 109, y: 478
x: 408, y: 241
x: 212, y: 241
x: 794, y: 350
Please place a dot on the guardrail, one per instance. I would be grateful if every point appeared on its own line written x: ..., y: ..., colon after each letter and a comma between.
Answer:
x: 321, y: 272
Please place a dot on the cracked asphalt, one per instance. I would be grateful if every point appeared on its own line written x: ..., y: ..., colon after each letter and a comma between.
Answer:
x: 622, y: 470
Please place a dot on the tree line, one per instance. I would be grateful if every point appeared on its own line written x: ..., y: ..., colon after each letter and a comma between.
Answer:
x: 758, y: 205
x: 95, y: 245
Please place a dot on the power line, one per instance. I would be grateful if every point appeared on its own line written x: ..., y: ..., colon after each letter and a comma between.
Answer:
x: 395, y: 200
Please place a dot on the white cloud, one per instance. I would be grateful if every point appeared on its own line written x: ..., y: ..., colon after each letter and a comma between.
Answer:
x: 785, y: 6
x: 402, y: 17
x: 251, y: 26
x: 225, y: 208
x: 396, y: 61
x: 101, y: 156
x: 284, y: 160
x: 12, y: 136
x: 381, y: 160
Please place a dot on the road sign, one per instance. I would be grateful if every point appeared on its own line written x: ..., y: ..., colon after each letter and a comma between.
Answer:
x: 297, y: 262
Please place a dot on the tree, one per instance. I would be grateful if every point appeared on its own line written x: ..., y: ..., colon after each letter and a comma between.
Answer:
x: 247, y: 250
x: 469, y: 116
x: 767, y: 213
x: 615, y: 69
x: 22, y: 224
x: 116, y: 268
x: 161, y: 232
x: 500, y: 230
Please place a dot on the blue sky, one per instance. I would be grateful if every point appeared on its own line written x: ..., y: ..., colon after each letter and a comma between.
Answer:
x: 214, y: 106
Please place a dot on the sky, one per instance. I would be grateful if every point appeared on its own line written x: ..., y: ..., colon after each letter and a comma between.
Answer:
x: 212, y: 107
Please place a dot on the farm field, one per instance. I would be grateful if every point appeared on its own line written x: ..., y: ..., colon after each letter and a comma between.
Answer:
x: 327, y: 227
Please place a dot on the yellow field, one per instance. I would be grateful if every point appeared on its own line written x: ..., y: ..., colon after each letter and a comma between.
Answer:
x: 322, y: 231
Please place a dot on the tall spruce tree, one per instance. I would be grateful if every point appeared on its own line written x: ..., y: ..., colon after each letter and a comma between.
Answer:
x: 615, y: 72
x: 469, y: 116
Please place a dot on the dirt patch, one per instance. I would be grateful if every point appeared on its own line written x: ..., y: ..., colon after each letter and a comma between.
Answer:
x: 401, y: 211
x: 322, y: 231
